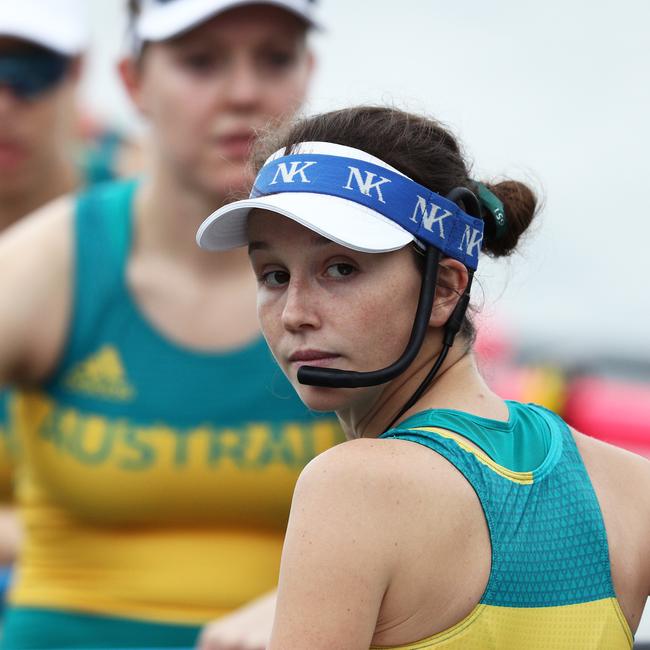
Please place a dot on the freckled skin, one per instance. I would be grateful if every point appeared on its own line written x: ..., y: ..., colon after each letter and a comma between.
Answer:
x: 375, y: 303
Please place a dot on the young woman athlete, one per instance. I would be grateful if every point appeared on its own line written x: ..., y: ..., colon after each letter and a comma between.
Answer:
x: 450, y: 519
x: 159, y: 442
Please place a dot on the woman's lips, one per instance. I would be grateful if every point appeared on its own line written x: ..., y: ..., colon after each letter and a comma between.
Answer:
x: 236, y: 146
x: 312, y: 358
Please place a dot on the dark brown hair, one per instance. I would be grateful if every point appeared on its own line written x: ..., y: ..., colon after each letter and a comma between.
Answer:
x: 419, y: 147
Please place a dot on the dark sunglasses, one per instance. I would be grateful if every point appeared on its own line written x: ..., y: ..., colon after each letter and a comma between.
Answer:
x: 30, y: 74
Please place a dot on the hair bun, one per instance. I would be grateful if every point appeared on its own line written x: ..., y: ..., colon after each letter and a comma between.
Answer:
x: 520, y: 206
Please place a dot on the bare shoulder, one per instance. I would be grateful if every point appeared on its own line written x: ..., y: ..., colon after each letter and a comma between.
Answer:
x: 621, y: 474
x: 47, y: 219
x: 601, y: 455
x: 398, y: 484
x: 36, y: 258
x: 41, y: 240
x: 399, y: 518
x: 380, y: 465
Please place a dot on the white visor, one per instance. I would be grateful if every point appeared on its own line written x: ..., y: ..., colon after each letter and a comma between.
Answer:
x: 345, y: 222
x: 163, y: 19
x: 59, y: 25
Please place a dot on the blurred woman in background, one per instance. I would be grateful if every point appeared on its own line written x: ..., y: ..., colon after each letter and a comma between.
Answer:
x: 40, y: 61
x: 41, y: 43
x: 46, y: 150
x: 160, y: 445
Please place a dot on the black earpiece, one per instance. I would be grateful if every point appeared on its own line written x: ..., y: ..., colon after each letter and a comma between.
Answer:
x: 455, y: 321
x: 336, y: 378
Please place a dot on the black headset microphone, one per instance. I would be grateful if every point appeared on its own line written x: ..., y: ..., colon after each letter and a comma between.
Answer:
x: 337, y: 378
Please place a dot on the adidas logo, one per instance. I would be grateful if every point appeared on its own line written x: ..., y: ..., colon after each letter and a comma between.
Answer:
x: 101, y: 375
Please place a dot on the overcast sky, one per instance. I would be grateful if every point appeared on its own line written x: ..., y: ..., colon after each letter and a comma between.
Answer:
x: 557, y: 93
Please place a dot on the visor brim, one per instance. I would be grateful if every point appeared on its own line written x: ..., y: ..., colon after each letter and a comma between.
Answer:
x: 344, y: 222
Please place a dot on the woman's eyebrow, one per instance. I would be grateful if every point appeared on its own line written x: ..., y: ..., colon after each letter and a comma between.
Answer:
x: 260, y: 245
x: 257, y: 246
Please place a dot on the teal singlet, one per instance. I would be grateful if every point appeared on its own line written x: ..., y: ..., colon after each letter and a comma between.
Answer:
x: 157, y: 479
x: 550, y: 585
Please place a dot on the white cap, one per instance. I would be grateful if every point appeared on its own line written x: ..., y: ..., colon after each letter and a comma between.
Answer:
x: 59, y: 25
x: 163, y: 19
x: 343, y: 221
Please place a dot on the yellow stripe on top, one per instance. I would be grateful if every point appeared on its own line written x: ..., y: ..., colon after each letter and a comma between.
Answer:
x: 523, y: 478
x: 597, y: 625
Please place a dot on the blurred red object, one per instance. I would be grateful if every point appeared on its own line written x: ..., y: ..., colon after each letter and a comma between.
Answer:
x: 496, y: 349
x: 612, y: 410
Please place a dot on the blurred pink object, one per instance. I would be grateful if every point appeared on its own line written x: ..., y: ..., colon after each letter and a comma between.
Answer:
x: 541, y: 384
x: 495, y: 342
x: 615, y: 411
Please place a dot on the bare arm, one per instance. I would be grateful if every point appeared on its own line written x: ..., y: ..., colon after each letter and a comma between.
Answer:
x: 335, y: 565
x: 35, y: 292
x: 621, y: 480
x: 333, y: 573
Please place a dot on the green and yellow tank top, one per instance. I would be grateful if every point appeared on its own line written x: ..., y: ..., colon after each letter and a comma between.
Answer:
x: 550, y: 582
x: 155, y: 480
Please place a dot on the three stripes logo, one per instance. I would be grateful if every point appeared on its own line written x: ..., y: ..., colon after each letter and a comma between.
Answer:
x: 101, y: 375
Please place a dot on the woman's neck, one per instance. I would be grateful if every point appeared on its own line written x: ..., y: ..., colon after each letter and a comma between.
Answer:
x: 458, y: 385
x: 168, y: 214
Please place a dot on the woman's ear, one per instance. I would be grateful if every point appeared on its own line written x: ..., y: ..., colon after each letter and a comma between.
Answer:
x: 452, y: 282
x: 76, y: 68
x: 311, y: 63
x: 130, y: 74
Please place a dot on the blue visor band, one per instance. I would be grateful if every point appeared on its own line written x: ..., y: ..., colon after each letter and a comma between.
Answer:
x: 426, y: 215
x: 30, y: 74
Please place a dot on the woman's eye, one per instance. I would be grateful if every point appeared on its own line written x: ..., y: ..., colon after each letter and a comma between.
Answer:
x: 340, y: 270
x: 275, y: 278
x: 200, y: 63
x: 277, y: 61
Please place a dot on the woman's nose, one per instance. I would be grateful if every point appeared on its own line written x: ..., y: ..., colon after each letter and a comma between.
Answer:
x: 300, y: 308
x: 243, y: 86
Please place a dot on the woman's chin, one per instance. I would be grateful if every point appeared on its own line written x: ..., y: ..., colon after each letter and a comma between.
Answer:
x: 226, y: 178
x: 317, y: 398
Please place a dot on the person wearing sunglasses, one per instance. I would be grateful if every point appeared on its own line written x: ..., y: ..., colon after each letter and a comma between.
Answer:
x: 159, y: 442
x: 45, y: 152
x: 41, y: 44
x: 450, y: 518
